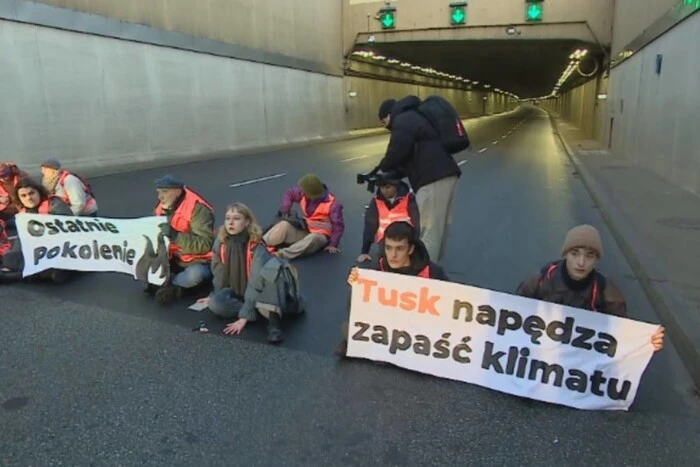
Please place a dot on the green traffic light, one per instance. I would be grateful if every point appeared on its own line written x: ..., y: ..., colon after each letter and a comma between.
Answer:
x: 458, y: 15
x: 534, y: 12
x: 388, y: 21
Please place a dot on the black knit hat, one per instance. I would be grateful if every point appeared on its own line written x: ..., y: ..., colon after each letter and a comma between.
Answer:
x: 385, y: 108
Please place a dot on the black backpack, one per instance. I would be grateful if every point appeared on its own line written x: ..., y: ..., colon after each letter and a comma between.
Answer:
x: 445, y: 119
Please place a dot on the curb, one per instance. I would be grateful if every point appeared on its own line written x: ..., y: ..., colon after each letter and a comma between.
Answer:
x: 689, y: 354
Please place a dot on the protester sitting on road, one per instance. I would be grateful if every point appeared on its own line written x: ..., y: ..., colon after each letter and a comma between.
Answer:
x: 323, y: 216
x: 248, y: 280
x: 5, y: 243
x: 392, y: 202
x: 72, y: 189
x: 574, y: 280
x: 404, y: 253
x: 190, y: 229
x: 34, y: 199
x: 416, y: 149
x: 10, y: 175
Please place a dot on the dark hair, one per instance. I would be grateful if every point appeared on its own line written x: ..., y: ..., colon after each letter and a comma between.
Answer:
x: 28, y: 182
x: 401, y: 230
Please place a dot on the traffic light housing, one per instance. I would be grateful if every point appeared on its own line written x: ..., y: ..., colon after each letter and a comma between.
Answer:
x: 387, y: 17
x: 458, y: 13
x: 534, y: 10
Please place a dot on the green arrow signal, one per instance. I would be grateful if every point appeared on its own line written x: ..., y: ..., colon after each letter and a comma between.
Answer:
x: 388, y: 20
x: 534, y: 12
x: 458, y: 16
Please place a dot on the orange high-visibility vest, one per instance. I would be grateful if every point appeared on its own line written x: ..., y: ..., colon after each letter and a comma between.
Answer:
x: 388, y: 216
x: 181, y: 220
x: 320, y: 221
x: 91, y: 202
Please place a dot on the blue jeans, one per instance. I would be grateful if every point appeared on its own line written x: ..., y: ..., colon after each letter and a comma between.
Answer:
x: 225, y: 303
x: 192, y: 276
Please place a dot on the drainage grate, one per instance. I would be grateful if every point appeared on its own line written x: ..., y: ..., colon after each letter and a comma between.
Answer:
x: 681, y: 223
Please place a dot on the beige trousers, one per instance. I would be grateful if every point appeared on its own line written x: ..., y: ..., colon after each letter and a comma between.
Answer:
x: 435, y: 205
x: 301, y: 242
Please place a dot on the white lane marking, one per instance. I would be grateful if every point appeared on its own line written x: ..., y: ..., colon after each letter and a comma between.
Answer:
x: 462, y: 162
x: 12, y: 237
x: 482, y: 150
x: 504, y: 136
x: 495, y: 142
x: 256, y: 180
x: 354, y: 158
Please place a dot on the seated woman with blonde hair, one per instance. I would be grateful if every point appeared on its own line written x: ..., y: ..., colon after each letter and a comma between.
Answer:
x: 248, y: 280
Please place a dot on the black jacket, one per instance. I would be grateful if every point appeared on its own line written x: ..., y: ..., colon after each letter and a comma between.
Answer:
x: 372, y: 214
x: 415, y: 148
x: 419, y: 260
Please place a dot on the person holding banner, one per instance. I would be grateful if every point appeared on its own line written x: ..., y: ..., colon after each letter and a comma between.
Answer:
x: 248, y: 280
x: 574, y: 280
x: 34, y: 199
x: 404, y: 253
x: 190, y: 229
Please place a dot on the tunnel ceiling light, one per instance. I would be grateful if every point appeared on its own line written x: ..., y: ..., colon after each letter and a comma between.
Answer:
x: 379, y: 57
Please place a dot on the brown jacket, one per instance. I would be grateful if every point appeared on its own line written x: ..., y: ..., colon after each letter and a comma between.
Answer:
x: 553, y: 288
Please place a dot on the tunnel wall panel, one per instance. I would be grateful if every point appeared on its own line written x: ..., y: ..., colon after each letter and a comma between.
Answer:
x: 307, y: 29
x: 101, y: 104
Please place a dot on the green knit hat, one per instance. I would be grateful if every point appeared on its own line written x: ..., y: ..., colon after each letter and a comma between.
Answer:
x: 312, y: 186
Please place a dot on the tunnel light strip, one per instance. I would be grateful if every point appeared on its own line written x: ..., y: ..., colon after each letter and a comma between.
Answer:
x: 428, y: 71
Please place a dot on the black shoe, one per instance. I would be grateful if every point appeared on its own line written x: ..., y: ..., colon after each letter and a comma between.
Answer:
x: 168, y: 294
x: 60, y: 276
x: 274, y: 329
x: 150, y: 289
x: 7, y: 276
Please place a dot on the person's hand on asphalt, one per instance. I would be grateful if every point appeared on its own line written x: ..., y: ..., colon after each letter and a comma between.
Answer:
x: 332, y: 250
x: 363, y: 258
x: 235, y: 328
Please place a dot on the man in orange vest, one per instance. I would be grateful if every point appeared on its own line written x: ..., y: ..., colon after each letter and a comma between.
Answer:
x: 404, y: 253
x: 190, y: 229
x: 324, y: 221
x: 393, y: 202
x: 72, y: 189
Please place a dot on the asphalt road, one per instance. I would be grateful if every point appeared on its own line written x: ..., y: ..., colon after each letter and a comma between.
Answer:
x: 94, y: 372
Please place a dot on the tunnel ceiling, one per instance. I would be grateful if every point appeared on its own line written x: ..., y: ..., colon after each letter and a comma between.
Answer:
x: 527, y: 68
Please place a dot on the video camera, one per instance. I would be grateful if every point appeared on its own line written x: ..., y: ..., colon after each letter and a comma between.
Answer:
x: 376, y: 178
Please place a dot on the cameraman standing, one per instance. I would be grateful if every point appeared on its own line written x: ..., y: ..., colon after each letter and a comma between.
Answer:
x: 393, y: 202
x: 415, y: 149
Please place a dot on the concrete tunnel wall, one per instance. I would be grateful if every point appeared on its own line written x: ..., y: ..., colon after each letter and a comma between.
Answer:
x: 653, y: 116
x: 362, y: 109
x: 308, y: 29
x: 101, y: 104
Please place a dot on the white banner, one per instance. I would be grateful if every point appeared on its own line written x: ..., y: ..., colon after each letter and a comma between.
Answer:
x: 504, y: 342
x: 130, y: 246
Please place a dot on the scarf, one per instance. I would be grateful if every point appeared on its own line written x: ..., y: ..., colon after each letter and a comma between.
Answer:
x: 235, y: 276
x: 51, y: 182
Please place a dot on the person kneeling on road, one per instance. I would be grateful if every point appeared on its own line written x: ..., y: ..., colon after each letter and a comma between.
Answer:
x: 574, y: 280
x: 34, y: 199
x: 392, y: 202
x: 404, y: 254
x: 248, y: 280
x: 72, y: 189
x: 324, y: 221
x: 190, y: 229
